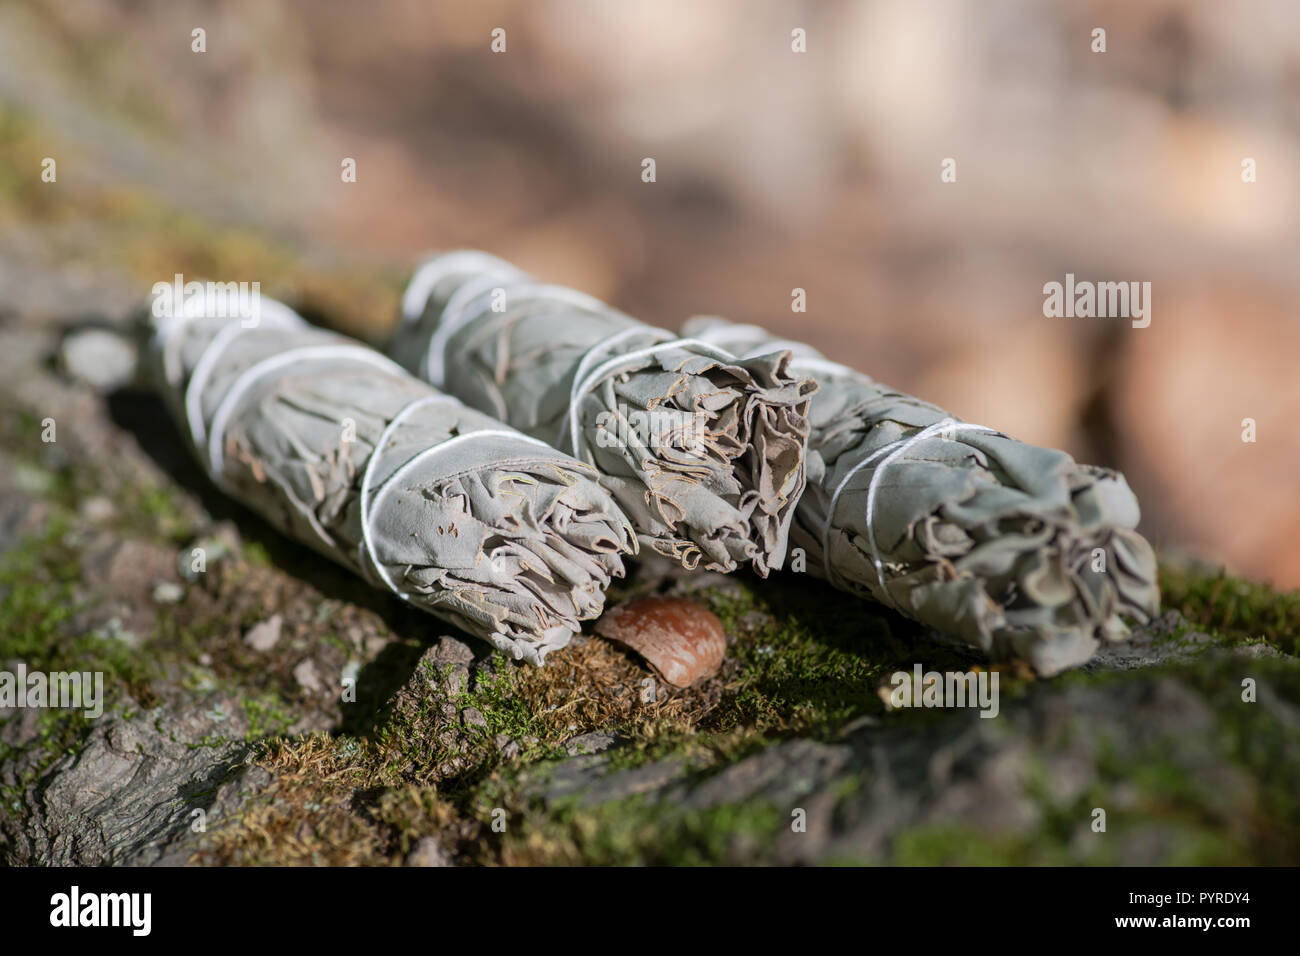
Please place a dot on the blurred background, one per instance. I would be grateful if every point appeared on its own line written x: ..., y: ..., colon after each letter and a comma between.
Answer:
x: 775, y: 170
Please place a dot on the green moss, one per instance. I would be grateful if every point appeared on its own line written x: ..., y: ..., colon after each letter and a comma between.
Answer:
x: 806, y: 661
x: 153, y: 512
x: 636, y: 832
x: 39, y: 603
x: 956, y: 846
x: 267, y: 717
x: 22, y: 152
x: 1159, y: 790
x: 1233, y: 607
x: 64, y: 476
x: 493, y: 696
x: 811, y: 659
x: 37, y: 583
x: 257, y: 554
x: 416, y: 743
x: 960, y: 846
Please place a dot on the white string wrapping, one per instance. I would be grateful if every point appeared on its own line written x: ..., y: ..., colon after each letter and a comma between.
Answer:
x: 215, y: 445
x: 888, y: 453
x: 188, y: 366
x: 436, y: 269
x: 996, y: 534
x: 582, y: 384
x: 516, y: 348
x: 367, y: 538
x: 724, y: 336
x: 213, y: 440
x: 280, y: 316
x: 463, y: 307
x: 369, y: 506
x: 249, y: 377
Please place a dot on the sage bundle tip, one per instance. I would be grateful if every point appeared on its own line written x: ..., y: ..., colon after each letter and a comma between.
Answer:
x: 1018, y: 550
x: 340, y: 448
x: 703, y: 450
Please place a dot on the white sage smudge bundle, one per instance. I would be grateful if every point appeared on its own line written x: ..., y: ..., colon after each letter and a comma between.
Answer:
x: 703, y: 451
x: 340, y: 448
x: 1015, y: 549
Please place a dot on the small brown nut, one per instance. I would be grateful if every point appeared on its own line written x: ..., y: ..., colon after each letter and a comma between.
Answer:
x: 682, y: 641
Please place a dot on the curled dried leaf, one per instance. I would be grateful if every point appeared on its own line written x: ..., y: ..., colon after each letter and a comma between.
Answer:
x: 682, y: 641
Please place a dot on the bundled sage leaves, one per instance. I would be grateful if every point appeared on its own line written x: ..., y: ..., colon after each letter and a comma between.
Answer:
x: 1016, y: 549
x: 341, y: 449
x: 703, y: 451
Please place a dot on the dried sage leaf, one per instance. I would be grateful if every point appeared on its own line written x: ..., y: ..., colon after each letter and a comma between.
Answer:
x: 703, y: 451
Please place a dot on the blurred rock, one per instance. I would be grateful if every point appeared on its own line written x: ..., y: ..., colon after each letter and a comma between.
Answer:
x: 428, y: 852
x: 265, y: 635
x: 103, y: 359
x: 168, y: 592
x: 307, y: 677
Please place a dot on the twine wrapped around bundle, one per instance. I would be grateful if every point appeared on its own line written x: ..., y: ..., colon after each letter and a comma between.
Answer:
x: 1016, y: 549
x: 340, y: 448
x: 703, y: 451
